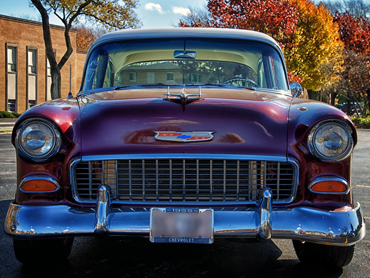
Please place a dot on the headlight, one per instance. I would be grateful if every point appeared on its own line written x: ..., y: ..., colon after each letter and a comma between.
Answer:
x: 37, y: 139
x: 330, y: 141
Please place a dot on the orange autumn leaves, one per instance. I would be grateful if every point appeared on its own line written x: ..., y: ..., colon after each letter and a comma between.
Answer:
x: 306, y: 32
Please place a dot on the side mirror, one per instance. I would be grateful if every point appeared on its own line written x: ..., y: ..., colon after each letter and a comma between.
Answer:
x: 296, y: 89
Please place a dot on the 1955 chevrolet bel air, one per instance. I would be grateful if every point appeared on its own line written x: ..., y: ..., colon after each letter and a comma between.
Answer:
x: 185, y: 136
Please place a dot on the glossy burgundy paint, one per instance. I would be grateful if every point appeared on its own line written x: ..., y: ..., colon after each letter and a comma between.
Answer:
x: 300, y: 123
x: 245, y: 122
x: 64, y: 113
x: 254, y: 124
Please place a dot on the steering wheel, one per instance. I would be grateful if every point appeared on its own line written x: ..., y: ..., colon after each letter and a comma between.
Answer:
x: 240, y: 79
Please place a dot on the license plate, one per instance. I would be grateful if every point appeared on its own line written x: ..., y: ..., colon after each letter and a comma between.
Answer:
x: 181, y: 225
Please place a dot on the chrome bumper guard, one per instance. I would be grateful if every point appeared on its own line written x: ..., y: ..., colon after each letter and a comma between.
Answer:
x: 301, y: 223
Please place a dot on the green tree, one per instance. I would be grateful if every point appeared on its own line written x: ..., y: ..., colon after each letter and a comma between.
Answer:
x: 111, y: 14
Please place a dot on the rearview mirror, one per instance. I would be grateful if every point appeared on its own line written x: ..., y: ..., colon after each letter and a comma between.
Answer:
x: 182, y: 54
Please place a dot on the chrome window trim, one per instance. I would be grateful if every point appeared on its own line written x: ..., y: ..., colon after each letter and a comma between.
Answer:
x: 38, y: 177
x: 327, y: 178
x: 182, y: 156
x: 187, y: 33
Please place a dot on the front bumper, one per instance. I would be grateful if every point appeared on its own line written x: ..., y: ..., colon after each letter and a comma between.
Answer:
x: 301, y: 223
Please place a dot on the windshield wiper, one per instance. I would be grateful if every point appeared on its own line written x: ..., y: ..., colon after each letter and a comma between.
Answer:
x: 223, y: 85
x: 121, y: 87
x: 182, y: 85
x: 148, y: 85
x: 160, y: 84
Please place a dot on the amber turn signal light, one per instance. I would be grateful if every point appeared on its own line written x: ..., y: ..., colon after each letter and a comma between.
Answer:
x: 39, y: 185
x: 329, y: 186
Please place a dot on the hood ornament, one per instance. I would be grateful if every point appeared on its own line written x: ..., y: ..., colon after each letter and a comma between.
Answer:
x: 184, y: 137
x: 184, y: 98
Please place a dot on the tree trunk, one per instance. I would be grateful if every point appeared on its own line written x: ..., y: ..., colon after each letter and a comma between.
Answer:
x: 56, y: 86
x: 55, y: 70
x: 333, y: 95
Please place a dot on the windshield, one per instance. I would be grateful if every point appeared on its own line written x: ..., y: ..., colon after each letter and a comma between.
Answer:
x: 238, y: 63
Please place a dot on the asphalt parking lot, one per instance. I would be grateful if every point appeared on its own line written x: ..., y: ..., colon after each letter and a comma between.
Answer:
x: 117, y: 257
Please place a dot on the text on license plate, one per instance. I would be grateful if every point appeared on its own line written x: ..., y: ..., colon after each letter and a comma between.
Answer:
x: 181, y: 225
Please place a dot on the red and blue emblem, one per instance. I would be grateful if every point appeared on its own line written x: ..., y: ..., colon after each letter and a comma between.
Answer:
x: 185, y: 137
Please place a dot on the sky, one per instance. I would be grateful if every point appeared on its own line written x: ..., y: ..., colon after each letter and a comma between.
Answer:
x: 152, y: 13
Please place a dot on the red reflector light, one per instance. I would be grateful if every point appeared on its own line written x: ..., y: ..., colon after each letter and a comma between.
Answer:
x: 329, y: 186
x: 39, y: 185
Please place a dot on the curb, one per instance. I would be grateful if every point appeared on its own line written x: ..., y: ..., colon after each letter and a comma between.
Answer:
x: 8, y: 120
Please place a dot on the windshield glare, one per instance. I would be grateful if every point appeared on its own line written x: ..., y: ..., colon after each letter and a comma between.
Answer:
x: 238, y: 63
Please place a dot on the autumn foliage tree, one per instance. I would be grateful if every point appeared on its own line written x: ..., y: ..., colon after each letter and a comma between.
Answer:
x: 86, y: 35
x: 112, y: 14
x: 315, y: 44
x: 355, y: 79
x: 305, y: 31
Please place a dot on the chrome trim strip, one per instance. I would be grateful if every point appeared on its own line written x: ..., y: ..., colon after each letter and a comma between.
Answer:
x: 329, y: 178
x: 210, y: 180
x: 90, y: 180
x: 265, y: 209
x: 130, y: 180
x: 102, y: 209
x: 183, y: 179
x: 38, y: 177
x: 278, y: 182
x: 326, y: 227
x: 182, y: 156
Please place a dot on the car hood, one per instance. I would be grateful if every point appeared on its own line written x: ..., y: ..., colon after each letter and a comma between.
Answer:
x: 243, y: 121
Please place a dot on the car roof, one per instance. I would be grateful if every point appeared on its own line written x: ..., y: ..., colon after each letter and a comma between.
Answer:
x: 188, y: 32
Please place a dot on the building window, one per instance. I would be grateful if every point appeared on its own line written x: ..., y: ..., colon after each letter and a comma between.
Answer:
x: 31, y: 103
x: 12, y: 59
x: 132, y: 76
x: 48, y: 79
x: 170, y: 77
x: 11, y: 105
x: 150, y: 77
x: 11, y: 77
x: 31, y: 76
x: 32, y: 55
x: 195, y: 78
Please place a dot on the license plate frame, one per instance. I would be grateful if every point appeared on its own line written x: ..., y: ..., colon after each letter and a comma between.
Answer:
x: 181, y: 225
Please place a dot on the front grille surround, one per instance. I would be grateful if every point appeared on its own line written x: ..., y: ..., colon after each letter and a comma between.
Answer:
x: 159, y: 179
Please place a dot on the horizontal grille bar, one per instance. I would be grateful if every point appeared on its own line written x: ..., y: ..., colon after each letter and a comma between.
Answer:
x: 184, y: 180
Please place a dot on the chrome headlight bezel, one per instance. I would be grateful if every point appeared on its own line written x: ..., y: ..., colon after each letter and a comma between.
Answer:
x: 55, y: 146
x: 311, y: 141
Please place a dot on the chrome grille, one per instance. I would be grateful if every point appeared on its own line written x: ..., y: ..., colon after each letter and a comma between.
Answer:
x: 184, y: 180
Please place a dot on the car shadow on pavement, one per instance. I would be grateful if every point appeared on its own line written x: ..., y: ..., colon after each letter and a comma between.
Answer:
x: 94, y: 257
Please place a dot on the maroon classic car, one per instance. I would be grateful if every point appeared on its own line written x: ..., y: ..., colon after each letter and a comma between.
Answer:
x: 185, y: 136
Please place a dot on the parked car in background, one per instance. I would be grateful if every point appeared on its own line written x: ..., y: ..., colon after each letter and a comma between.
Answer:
x: 353, y: 107
x: 185, y: 136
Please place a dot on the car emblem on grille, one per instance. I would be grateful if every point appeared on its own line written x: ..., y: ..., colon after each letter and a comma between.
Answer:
x: 185, y: 137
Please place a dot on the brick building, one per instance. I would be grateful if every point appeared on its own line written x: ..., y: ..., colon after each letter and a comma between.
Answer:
x: 24, y: 70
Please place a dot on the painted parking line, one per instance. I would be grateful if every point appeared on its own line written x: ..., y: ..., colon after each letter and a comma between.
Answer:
x: 366, y: 217
x: 363, y: 185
